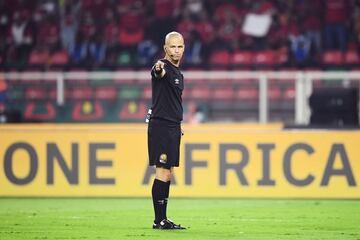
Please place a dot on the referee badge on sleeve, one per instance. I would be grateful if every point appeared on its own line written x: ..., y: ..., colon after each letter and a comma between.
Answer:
x: 163, y: 158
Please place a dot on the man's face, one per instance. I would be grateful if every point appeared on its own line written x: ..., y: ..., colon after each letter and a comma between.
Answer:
x: 174, y: 48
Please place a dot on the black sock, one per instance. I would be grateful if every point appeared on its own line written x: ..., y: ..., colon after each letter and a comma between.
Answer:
x: 166, y: 196
x: 159, y: 198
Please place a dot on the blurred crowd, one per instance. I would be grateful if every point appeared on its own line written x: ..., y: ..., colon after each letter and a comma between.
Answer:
x: 113, y: 33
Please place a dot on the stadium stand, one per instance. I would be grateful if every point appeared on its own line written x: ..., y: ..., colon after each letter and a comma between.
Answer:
x: 106, y: 35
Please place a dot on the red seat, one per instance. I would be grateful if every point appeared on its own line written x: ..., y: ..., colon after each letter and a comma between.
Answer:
x: 289, y: 93
x: 59, y: 58
x: 146, y: 93
x: 81, y: 93
x: 186, y: 93
x: 281, y: 56
x: 247, y: 94
x: 38, y: 57
x: 352, y: 57
x: 3, y: 85
x: 242, y: 58
x: 106, y: 93
x: 53, y: 93
x: 36, y: 93
x: 200, y: 93
x: 223, y: 93
x: 221, y: 57
x: 274, y: 94
x: 265, y: 58
x: 130, y: 37
x: 332, y: 57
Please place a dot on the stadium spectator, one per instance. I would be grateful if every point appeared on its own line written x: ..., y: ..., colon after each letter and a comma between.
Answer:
x: 185, y: 25
x: 97, y: 8
x: 88, y: 51
x: 205, y: 28
x: 3, y: 92
x: 356, y: 24
x: 166, y: 13
x: 279, y: 32
x: 196, y: 113
x: 193, y: 50
x: 20, y: 38
x: 311, y: 18
x: 225, y: 10
x: 194, y: 8
x: 111, y: 35
x: 78, y: 52
x: 4, y: 22
x: 69, y: 24
x: 132, y: 28
x: 48, y: 6
x: 336, y: 17
x: 87, y: 25
x: 48, y: 33
x: 263, y: 8
x: 96, y: 49
x: 300, y: 48
x: 227, y: 25
x: 147, y: 51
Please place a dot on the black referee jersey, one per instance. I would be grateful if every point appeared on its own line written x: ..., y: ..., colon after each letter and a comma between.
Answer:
x: 166, y: 94
x: 164, y: 130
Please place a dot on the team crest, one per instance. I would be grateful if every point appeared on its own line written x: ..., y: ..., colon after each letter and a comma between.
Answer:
x: 177, y: 81
x: 163, y: 158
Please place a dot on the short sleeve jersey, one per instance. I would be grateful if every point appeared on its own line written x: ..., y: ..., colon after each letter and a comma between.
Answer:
x: 167, y: 94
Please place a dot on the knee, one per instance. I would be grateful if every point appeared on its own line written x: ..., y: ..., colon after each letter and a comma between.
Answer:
x: 163, y: 174
x: 167, y: 176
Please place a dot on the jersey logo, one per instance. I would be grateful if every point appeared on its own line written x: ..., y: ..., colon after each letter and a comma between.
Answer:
x: 163, y: 158
x: 177, y: 81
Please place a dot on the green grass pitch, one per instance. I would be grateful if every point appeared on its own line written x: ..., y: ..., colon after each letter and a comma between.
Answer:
x: 131, y: 218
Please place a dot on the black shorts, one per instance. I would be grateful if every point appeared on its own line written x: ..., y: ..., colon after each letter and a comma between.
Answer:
x: 164, y: 143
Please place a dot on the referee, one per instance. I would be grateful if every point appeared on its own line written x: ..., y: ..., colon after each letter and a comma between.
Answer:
x: 164, y: 128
